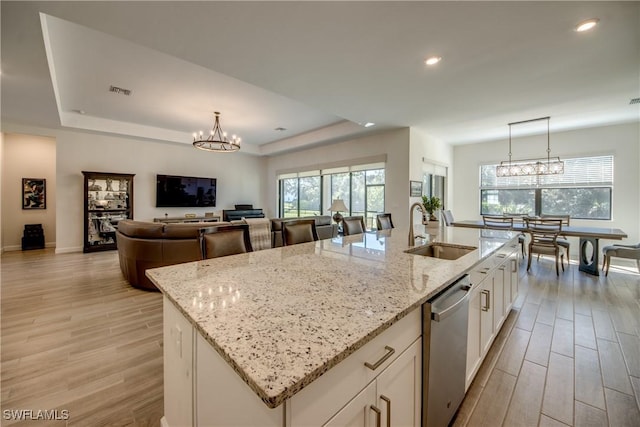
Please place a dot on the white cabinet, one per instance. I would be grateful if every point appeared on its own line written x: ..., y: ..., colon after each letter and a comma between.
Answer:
x: 359, y: 411
x: 486, y: 315
x: 201, y: 388
x: 473, y: 336
x: 178, y: 367
x: 494, y: 288
x: 392, y: 399
x: 394, y: 360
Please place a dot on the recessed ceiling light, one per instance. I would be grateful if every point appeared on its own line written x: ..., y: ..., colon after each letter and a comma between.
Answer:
x: 433, y: 60
x: 587, y: 25
x: 369, y: 124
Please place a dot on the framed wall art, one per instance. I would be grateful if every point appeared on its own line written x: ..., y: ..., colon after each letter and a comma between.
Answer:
x: 415, y: 188
x: 34, y: 193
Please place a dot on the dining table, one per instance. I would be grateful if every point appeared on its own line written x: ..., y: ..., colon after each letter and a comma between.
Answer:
x: 589, y: 247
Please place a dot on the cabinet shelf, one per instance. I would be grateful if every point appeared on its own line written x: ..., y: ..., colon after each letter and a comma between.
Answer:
x: 107, y: 210
x: 113, y: 191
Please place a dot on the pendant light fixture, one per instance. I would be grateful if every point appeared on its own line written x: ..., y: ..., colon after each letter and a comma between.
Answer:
x: 217, y: 140
x: 548, y: 166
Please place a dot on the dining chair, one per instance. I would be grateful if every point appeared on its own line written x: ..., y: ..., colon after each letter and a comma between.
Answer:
x: 353, y: 225
x: 384, y: 222
x: 518, y: 218
x: 562, y: 240
x: 448, y: 217
x: 543, y: 239
x: 497, y: 222
x: 299, y: 231
x: 620, y: 251
x: 222, y: 240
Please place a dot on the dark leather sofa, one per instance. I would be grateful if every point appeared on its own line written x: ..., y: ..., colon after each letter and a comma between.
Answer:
x: 324, y: 227
x: 144, y: 245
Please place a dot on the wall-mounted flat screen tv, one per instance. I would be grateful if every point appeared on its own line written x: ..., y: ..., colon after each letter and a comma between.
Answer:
x: 185, y: 191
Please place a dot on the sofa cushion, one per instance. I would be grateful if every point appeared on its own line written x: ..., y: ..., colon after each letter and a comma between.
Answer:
x: 190, y: 230
x: 141, y: 229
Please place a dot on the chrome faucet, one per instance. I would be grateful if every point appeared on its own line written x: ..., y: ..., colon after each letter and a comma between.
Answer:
x: 412, y: 240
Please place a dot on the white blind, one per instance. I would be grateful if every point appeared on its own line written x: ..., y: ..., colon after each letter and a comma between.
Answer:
x: 578, y: 172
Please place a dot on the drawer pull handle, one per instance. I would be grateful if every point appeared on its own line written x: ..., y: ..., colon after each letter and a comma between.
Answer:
x: 378, y: 414
x: 501, y: 255
x: 388, y: 401
x: 376, y: 365
x: 514, y: 266
x: 486, y: 306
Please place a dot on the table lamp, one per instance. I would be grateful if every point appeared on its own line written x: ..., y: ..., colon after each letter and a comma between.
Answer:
x: 337, y: 206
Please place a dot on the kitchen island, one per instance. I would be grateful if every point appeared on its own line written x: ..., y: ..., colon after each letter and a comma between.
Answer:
x: 266, y: 336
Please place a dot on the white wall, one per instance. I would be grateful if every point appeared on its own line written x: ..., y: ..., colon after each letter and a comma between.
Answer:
x: 623, y: 141
x: 27, y: 156
x: 424, y: 148
x: 240, y: 176
x: 394, y: 144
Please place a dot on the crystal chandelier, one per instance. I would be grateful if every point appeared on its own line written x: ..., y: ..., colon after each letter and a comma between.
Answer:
x: 217, y: 140
x: 548, y: 166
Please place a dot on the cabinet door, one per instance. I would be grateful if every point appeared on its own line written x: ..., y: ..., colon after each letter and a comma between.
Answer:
x: 399, y: 393
x: 359, y: 412
x: 514, y: 266
x: 486, y: 315
x: 178, y: 366
x: 473, y: 337
x: 498, y: 296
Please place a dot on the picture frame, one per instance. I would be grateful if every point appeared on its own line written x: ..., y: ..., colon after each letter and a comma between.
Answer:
x: 415, y: 188
x: 34, y: 193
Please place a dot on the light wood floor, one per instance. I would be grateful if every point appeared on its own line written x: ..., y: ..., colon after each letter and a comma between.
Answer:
x: 568, y: 355
x: 76, y: 336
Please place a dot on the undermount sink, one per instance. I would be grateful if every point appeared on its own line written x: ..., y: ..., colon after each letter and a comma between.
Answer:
x: 441, y: 250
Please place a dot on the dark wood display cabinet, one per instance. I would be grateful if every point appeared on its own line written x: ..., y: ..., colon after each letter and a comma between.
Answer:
x: 108, y: 198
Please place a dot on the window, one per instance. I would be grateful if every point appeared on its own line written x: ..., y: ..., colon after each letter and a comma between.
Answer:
x: 300, y: 196
x: 311, y: 193
x: 584, y: 190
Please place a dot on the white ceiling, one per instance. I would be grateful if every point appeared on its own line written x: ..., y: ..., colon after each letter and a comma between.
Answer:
x: 318, y: 69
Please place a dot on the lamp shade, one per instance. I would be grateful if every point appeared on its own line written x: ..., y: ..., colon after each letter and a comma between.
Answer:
x: 337, y: 206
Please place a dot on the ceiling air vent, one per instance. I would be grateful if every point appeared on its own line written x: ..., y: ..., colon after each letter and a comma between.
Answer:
x: 119, y: 90
x: 635, y: 101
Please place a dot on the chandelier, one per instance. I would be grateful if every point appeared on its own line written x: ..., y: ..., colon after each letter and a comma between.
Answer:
x: 548, y: 166
x: 217, y: 139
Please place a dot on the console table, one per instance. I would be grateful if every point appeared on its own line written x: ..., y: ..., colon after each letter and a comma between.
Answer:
x: 180, y: 219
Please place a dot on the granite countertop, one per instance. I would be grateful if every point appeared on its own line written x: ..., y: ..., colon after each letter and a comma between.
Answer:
x: 282, y: 317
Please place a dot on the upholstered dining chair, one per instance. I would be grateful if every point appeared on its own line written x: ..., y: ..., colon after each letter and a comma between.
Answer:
x: 299, y: 231
x: 497, y: 222
x: 448, y: 217
x: 353, y: 225
x: 563, y: 242
x: 223, y: 240
x: 522, y: 239
x: 620, y: 251
x: 543, y: 239
x: 384, y: 222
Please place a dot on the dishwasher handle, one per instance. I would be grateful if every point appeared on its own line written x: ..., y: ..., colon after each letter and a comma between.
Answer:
x: 438, y: 316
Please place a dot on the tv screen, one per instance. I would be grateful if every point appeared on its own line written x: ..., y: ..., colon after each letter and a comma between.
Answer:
x: 185, y: 191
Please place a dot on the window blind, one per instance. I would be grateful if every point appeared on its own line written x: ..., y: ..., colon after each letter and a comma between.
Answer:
x: 578, y: 172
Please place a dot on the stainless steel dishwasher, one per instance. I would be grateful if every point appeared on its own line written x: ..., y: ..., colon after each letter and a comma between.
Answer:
x: 445, y: 323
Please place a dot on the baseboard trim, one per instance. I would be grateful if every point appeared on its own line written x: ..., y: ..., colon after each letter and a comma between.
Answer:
x: 11, y: 248
x: 68, y: 250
